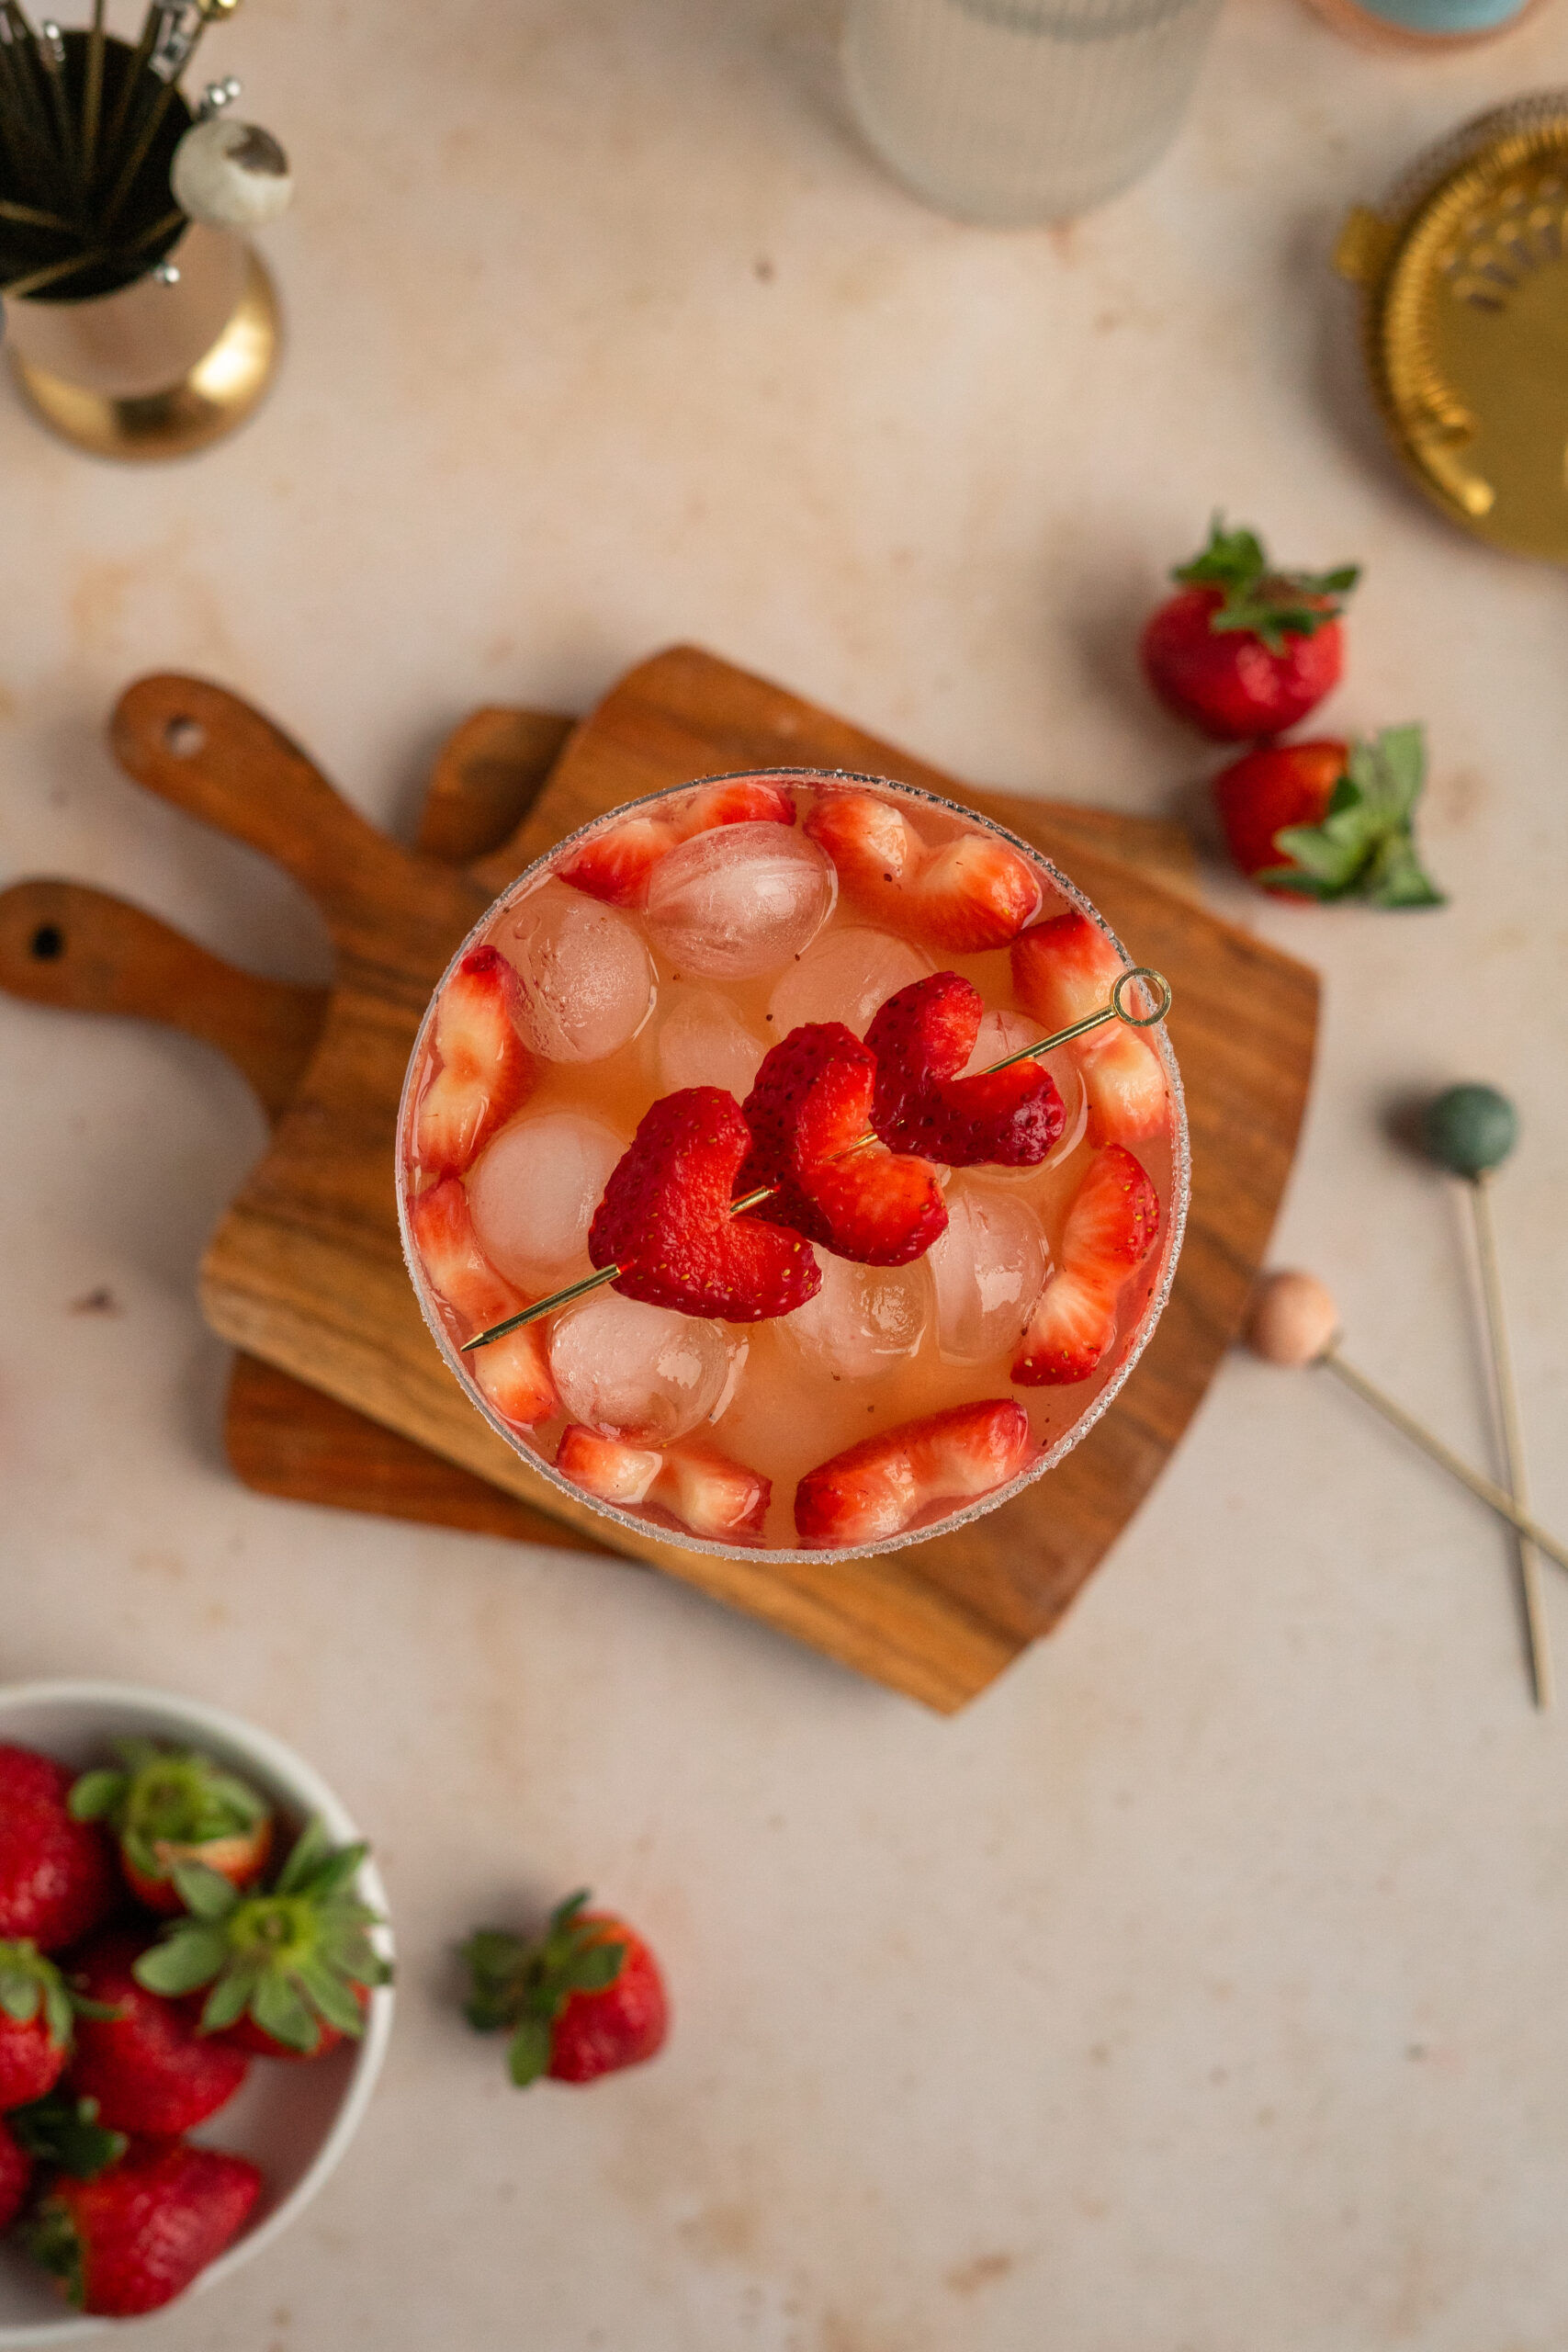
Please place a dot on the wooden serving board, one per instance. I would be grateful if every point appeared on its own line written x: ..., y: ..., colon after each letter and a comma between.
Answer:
x: 306, y: 1271
x: 68, y: 946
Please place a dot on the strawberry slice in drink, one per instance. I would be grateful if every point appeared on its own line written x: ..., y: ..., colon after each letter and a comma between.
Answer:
x: 484, y: 1072
x: 513, y: 1373
x: 665, y: 1218
x: 880, y: 1487
x: 921, y: 1039
x: 615, y: 865
x: 696, y: 1484
x: 807, y: 1112
x: 965, y: 894
x: 1112, y: 1229
x: 1065, y: 969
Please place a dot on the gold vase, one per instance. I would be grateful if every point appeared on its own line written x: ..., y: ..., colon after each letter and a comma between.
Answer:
x: 161, y: 367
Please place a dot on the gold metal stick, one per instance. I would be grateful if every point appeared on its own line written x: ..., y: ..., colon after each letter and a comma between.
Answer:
x: 1114, y: 1010
x: 136, y: 65
x: 1482, y: 1488
x: 1531, y: 1583
x: 29, y: 216
x: 36, y: 280
x: 93, y: 95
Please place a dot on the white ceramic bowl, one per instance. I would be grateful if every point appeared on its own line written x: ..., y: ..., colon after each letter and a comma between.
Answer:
x: 294, y: 2120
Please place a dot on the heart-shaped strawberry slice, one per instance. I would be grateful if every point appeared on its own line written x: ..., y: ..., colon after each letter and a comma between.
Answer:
x: 811, y: 1103
x: 665, y: 1218
x: 921, y: 1039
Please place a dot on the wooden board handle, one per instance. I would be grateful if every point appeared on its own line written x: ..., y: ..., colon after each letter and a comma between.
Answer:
x: 214, y: 757
x: 64, y: 944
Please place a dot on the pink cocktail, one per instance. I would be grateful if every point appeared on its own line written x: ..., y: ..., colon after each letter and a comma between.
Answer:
x: 790, y: 989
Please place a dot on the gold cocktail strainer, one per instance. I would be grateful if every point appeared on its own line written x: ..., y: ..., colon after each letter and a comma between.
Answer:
x: 1464, y: 279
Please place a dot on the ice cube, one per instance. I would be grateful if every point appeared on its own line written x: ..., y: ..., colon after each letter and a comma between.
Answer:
x: 588, y: 981
x: 703, y: 1043
x: 532, y: 1194
x: 738, y: 900
x: 863, y: 1319
x: 640, y: 1371
x: 989, y: 1269
x: 1000, y: 1034
x: 846, y: 976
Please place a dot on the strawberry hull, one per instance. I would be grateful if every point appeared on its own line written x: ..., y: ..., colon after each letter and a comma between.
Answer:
x: 855, y: 1297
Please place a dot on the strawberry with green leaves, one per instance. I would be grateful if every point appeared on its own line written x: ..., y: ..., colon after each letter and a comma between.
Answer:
x: 289, y: 1968
x: 166, y: 1805
x: 1245, y: 650
x: 38, y: 2022
x: 583, y: 1999
x: 1329, y: 819
x: 137, y: 2233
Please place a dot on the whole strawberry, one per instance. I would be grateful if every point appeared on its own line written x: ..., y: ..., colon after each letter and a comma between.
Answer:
x: 1246, y: 651
x: 288, y: 1968
x: 583, y: 1999
x: 57, y: 1876
x: 147, y: 2064
x: 132, y: 2239
x: 172, y: 1804
x: 38, y: 2017
x: 1326, y: 819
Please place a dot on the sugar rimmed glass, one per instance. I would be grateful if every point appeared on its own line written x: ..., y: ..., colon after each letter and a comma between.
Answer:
x: 1058, y: 1426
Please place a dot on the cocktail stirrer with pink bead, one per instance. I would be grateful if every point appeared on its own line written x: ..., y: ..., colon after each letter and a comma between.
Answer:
x: 1294, y: 1322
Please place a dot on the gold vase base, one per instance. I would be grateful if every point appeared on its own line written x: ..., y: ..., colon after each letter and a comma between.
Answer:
x: 227, y: 383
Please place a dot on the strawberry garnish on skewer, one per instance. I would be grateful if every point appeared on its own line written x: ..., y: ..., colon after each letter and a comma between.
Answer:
x: 166, y: 1805
x: 1062, y: 970
x: 964, y: 896
x: 583, y: 1999
x: 880, y: 1487
x: 1244, y: 650
x: 132, y: 2238
x: 809, y: 1114
x: 1110, y: 1231
x: 705, y: 1489
x: 483, y: 1070
x: 665, y: 1218
x: 921, y: 1039
x: 616, y: 866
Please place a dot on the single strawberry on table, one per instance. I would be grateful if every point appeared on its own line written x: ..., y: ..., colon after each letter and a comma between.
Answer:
x: 1327, y: 820
x: 286, y: 1969
x: 136, y: 2235
x: 166, y: 1805
x: 583, y: 1999
x: 809, y: 1113
x: 1245, y: 650
x: 58, y: 1877
x: 144, y: 2059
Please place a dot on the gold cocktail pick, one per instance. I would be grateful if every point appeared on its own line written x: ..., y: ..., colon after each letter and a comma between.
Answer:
x: 1294, y: 1322
x: 1160, y: 993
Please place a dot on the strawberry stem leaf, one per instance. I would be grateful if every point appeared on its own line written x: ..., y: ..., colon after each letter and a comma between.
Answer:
x: 1272, y: 604
x: 1365, y: 846
x: 59, y: 2129
x: 525, y: 1986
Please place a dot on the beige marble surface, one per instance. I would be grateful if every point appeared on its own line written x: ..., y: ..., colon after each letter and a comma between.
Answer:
x: 1200, y: 1989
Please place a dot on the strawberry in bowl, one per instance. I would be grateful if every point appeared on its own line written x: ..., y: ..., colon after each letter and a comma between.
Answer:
x: 743, y: 1222
x: 114, y: 2207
